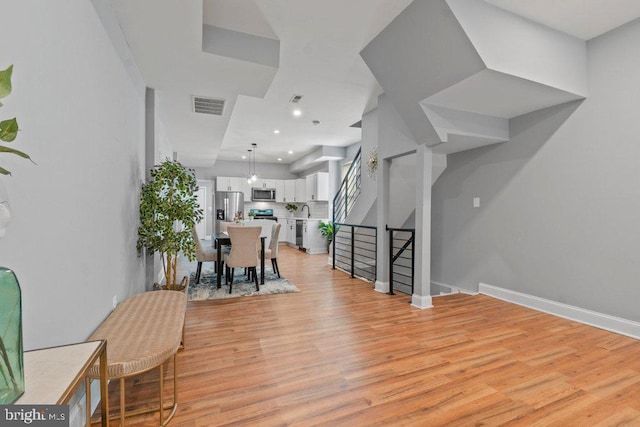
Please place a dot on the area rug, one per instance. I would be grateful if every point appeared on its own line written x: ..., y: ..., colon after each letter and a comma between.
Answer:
x: 207, y: 290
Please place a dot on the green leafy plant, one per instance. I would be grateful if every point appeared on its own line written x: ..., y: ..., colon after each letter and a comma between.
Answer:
x: 327, y: 230
x: 291, y: 207
x: 8, y: 128
x: 168, y: 211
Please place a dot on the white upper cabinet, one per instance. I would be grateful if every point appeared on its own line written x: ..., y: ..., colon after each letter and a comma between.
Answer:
x: 301, y: 191
x: 226, y: 183
x: 280, y: 192
x: 265, y: 183
x: 289, y: 191
x: 317, y: 186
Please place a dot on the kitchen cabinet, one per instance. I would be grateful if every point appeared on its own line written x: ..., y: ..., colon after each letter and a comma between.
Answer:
x: 312, y: 240
x: 265, y: 183
x: 301, y: 191
x: 231, y: 183
x: 280, y: 194
x: 317, y: 187
x: 291, y: 231
x: 289, y: 191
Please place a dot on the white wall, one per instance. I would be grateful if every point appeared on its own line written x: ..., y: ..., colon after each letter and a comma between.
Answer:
x: 560, y: 202
x: 241, y: 169
x: 75, y: 213
x: 514, y: 45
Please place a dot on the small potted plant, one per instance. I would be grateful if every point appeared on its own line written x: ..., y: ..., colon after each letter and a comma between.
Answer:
x: 252, y: 215
x: 291, y: 208
x: 328, y: 231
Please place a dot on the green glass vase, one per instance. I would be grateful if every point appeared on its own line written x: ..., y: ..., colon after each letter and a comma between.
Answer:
x: 11, y: 353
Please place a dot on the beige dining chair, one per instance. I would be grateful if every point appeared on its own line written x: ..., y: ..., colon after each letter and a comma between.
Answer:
x: 203, y: 254
x: 272, y: 251
x: 244, y: 253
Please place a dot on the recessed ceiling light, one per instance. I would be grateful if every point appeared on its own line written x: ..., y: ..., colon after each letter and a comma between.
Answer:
x: 244, y: 157
x: 276, y: 131
x: 297, y: 113
x: 290, y: 152
x: 279, y: 159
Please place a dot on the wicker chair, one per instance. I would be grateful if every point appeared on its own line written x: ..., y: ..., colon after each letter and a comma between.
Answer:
x: 244, y: 252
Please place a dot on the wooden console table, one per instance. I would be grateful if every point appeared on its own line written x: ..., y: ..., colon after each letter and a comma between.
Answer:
x: 52, y: 375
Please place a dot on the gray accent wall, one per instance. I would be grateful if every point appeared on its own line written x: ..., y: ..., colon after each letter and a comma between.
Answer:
x: 72, y: 238
x: 560, y: 203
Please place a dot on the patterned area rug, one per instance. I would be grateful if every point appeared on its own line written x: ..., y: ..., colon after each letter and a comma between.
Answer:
x: 207, y: 290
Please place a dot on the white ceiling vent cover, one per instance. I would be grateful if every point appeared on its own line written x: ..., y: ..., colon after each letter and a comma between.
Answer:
x: 208, y: 105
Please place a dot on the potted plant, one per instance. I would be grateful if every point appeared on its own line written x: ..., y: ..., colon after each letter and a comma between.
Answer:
x: 327, y: 230
x: 168, y: 211
x: 291, y: 208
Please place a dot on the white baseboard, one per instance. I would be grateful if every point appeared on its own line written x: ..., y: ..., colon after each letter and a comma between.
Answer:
x: 421, y: 301
x: 382, y: 287
x: 588, y: 317
x: 455, y: 289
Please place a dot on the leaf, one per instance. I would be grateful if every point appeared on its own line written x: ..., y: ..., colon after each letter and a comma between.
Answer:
x: 5, y: 81
x: 4, y: 149
x: 3, y: 171
x: 8, y: 130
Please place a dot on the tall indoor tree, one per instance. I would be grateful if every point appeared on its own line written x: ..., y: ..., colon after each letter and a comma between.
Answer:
x: 168, y: 211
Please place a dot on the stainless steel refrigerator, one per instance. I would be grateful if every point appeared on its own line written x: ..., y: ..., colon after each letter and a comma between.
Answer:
x: 226, y: 205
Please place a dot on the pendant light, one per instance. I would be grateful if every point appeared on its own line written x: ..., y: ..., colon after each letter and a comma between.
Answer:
x: 249, y: 174
x: 254, y: 177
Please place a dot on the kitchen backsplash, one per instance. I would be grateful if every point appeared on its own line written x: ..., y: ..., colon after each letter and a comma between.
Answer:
x: 318, y: 209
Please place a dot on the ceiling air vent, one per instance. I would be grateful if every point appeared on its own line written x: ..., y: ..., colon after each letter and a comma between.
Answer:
x: 357, y: 124
x: 295, y: 99
x: 208, y: 105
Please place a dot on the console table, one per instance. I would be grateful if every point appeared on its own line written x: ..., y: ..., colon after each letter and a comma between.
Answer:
x: 52, y: 375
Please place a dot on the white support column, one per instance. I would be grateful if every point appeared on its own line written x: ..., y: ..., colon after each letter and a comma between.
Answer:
x: 382, y: 272
x: 421, y: 297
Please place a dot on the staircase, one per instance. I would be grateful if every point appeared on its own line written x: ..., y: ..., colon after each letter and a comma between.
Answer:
x: 348, y: 192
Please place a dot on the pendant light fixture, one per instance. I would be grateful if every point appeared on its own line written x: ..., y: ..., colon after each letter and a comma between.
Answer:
x: 254, y: 177
x: 249, y: 174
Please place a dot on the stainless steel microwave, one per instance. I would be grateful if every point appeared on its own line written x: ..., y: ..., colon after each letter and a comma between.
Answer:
x: 263, y: 194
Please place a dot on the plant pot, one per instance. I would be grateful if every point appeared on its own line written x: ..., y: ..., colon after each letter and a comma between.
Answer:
x: 180, y: 287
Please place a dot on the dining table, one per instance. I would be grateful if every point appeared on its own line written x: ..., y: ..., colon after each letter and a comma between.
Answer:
x: 223, y: 239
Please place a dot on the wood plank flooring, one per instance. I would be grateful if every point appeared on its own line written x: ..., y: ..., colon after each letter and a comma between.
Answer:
x: 340, y: 354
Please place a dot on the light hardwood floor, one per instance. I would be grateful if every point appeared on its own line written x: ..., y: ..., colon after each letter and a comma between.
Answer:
x: 340, y: 354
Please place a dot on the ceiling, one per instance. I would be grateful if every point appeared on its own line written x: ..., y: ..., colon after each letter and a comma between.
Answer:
x: 584, y: 19
x: 320, y: 41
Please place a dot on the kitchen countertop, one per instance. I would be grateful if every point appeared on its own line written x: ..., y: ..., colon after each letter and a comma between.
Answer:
x: 311, y: 219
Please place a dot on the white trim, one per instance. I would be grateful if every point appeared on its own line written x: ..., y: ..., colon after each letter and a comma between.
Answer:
x: 455, y: 289
x: 588, y: 317
x: 421, y: 301
x: 382, y: 287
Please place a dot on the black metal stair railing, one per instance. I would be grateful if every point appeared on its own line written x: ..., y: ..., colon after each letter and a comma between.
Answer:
x: 355, y: 250
x: 401, y: 259
x: 348, y: 192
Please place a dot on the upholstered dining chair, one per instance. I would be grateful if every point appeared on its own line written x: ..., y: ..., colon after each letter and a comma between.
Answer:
x: 244, y: 252
x: 203, y: 254
x: 272, y: 251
